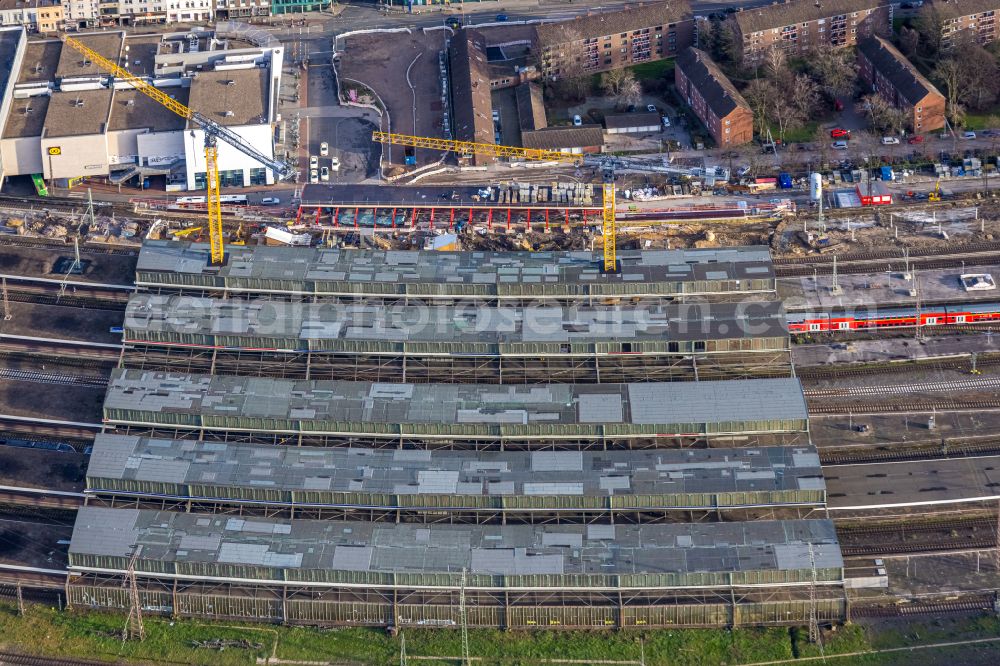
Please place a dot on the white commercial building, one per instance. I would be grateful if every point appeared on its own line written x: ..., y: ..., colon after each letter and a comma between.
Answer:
x: 69, y: 120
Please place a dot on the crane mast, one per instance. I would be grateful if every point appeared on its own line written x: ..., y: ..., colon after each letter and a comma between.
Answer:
x: 609, y: 224
x: 213, y: 132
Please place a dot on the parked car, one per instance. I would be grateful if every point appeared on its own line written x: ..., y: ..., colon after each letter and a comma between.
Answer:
x: 313, y: 176
x: 270, y: 201
x: 839, y: 145
x: 651, y: 108
x: 502, y: 17
x: 919, y: 138
x: 453, y: 22
x: 334, y: 164
x: 630, y: 109
x: 890, y: 141
x: 324, y: 149
x: 665, y: 120
x: 968, y: 135
x: 577, y: 120
x: 313, y: 162
x: 324, y: 174
x: 838, y: 133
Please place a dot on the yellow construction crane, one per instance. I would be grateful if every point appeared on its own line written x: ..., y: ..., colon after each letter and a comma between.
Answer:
x: 213, y: 132
x: 608, y: 221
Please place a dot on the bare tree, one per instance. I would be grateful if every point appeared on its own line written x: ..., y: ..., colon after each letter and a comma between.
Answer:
x: 834, y: 69
x: 885, y: 118
x: 622, y: 85
x: 571, y: 79
x: 804, y: 96
x: 949, y: 72
x: 775, y: 64
x: 979, y: 86
x: 728, y: 44
x: 822, y: 152
x: 930, y: 24
x: 909, y: 41
x: 758, y: 95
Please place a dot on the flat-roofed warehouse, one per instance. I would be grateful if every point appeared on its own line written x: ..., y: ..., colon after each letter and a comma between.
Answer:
x: 332, y: 572
x: 451, y: 343
x: 286, y: 271
x: 453, y: 486
x: 637, y: 415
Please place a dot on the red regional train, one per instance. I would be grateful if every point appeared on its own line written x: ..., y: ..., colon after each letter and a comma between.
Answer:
x: 861, y: 320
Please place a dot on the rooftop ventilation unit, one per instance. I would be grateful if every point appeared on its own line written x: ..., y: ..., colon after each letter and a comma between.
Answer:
x: 86, y: 63
x: 130, y: 102
x: 228, y: 114
x: 27, y: 110
x: 78, y: 102
x: 230, y: 82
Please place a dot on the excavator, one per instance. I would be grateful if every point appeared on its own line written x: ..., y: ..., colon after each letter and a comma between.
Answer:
x: 212, y: 130
x: 935, y: 194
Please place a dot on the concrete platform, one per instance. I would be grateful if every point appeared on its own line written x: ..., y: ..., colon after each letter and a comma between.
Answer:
x: 836, y: 431
x: 38, y: 262
x: 871, y: 290
x: 923, y: 483
x: 896, y: 349
x: 40, y: 468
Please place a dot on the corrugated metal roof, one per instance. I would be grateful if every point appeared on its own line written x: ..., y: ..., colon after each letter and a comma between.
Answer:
x: 453, y: 272
x: 494, y: 549
x: 443, y: 472
x: 364, y: 403
x: 172, y: 317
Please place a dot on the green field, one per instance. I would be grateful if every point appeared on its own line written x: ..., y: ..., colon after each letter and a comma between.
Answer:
x: 96, y: 635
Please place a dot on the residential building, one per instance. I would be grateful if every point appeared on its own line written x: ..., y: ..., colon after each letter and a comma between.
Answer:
x: 41, y: 16
x: 142, y: 12
x: 713, y: 98
x: 298, y: 6
x: 68, y: 120
x: 610, y: 40
x: 797, y: 26
x: 976, y: 19
x: 233, y: 9
x: 472, y: 106
x: 896, y: 80
x: 81, y: 14
x: 189, y: 11
x: 575, y: 139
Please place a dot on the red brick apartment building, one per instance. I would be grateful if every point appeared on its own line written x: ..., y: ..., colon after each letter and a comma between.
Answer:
x: 609, y: 40
x: 797, y: 26
x: 975, y: 18
x: 712, y: 97
x: 896, y: 80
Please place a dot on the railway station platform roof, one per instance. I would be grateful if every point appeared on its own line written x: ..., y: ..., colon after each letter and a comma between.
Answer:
x: 451, y: 329
x: 328, y: 553
x: 429, y: 274
x: 467, y: 411
x: 394, y: 478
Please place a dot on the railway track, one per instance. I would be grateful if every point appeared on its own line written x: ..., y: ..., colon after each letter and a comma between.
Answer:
x: 892, y: 253
x: 975, y: 604
x: 936, y: 452
x: 976, y: 384
x: 38, y: 377
x: 884, y: 539
x: 44, y: 243
x: 18, y: 659
x: 896, y: 407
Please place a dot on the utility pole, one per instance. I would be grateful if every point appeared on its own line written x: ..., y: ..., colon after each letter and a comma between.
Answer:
x: 76, y: 262
x: 134, y: 630
x: 835, y: 286
x: 464, y: 618
x: 7, y: 315
x: 402, y: 649
x: 814, y: 635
